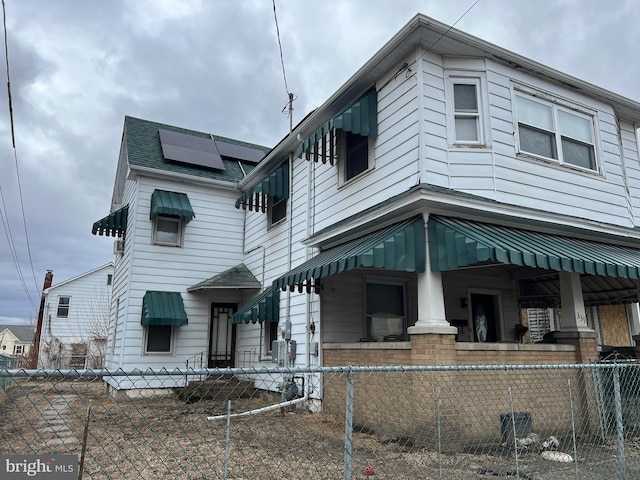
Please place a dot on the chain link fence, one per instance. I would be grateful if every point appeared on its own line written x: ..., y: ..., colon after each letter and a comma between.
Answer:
x: 472, y: 422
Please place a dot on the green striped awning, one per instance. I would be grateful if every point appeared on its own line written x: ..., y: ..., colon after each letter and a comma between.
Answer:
x: 171, y: 203
x: 163, y: 308
x: 455, y: 243
x: 276, y: 184
x: 398, y: 247
x: 264, y: 307
x: 114, y: 224
x: 360, y: 118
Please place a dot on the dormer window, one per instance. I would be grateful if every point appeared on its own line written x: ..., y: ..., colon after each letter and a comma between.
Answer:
x: 555, y: 132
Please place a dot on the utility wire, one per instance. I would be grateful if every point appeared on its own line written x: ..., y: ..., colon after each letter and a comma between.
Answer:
x: 288, y: 108
x: 449, y: 29
x: 5, y: 218
x: 284, y: 73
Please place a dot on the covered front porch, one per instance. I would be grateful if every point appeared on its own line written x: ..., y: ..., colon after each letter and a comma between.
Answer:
x: 481, y: 300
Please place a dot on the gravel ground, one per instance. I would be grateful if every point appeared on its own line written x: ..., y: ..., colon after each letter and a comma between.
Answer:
x: 165, y: 438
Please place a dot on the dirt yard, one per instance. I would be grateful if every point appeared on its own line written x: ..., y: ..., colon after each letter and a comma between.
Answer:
x: 163, y: 438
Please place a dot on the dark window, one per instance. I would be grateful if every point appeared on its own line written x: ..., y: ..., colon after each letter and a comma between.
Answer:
x: 272, y: 333
x: 63, y: 307
x: 109, y: 279
x: 159, y: 338
x: 277, y: 209
x: 386, y: 317
x: 356, y: 155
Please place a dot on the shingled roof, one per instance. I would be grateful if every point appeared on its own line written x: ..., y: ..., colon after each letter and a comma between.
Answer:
x: 23, y: 333
x: 144, y: 150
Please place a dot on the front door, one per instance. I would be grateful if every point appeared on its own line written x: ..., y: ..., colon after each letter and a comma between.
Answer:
x: 222, y: 336
x: 485, y: 315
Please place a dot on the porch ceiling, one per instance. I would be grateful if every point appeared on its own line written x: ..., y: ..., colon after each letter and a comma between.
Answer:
x: 455, y: 243
x: 544, y: 290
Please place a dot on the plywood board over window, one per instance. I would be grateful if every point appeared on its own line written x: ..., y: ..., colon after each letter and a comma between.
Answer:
x: 614, y: 325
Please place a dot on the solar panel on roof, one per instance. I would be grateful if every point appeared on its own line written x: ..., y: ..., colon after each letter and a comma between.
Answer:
x: 189, y: 149
x: 240, y: 152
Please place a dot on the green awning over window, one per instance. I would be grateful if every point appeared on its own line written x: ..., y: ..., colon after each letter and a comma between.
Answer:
x: 398, y: 247
x: 276, y: 185
x: 360, y: 118
x: 171, y: 203
x: 114, y: 224
x: 264, y: 307
x: 163, y: 308
x: 455, y: 243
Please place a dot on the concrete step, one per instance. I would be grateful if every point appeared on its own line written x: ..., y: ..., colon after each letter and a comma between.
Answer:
x: 218, y: 389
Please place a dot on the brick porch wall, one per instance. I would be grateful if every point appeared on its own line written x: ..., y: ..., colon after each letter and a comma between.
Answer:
x: 404, y: 405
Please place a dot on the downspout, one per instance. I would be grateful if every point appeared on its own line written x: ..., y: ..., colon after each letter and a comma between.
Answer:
x: 421, y: 136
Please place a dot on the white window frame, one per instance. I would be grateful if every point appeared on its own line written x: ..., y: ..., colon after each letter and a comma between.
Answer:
x: 68, y: 305
x: 478, y: 79
x: 18, y: 349
x: 557, y: 105
x: 178, y: 220
x: 341, y: 139
x: 145, y: 343
x: 396, y: 282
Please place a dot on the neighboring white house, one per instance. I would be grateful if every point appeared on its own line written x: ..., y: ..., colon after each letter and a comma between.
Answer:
x: 445, y: 188
x: 16, y: 342
x: 75, y: 321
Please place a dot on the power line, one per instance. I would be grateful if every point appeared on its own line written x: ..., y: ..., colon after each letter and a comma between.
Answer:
x: 288, y: 108
x: 449, y: 29
x: 284, y: 73
x: 5, y: 218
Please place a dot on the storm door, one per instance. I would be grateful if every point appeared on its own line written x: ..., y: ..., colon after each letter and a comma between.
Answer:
x: 222, y: 336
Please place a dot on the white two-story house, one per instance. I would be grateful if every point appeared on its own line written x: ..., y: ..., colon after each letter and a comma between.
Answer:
x: 448, y: 194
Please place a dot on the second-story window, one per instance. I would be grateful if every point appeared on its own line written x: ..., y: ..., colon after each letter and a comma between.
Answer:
x: 555, y: 132
x: 354, y: 155
x: 168, y: 231
x: 277, y: 210
x: 465, y: 109
x: 63, y: 307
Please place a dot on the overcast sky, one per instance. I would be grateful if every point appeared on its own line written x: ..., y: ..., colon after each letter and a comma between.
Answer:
x: 77, y: 67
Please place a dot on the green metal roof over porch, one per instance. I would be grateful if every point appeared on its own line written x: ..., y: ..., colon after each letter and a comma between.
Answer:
x: 455, y: 243
x: 114, y: 224
x: 264, y: 307
x: 398, y: 247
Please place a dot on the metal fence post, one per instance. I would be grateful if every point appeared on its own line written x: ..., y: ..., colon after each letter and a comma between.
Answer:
x: 515, y: 439
x: 573, y: 428
x: 622, y: 464
x: 348, y: 428
x: 227, y: 441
